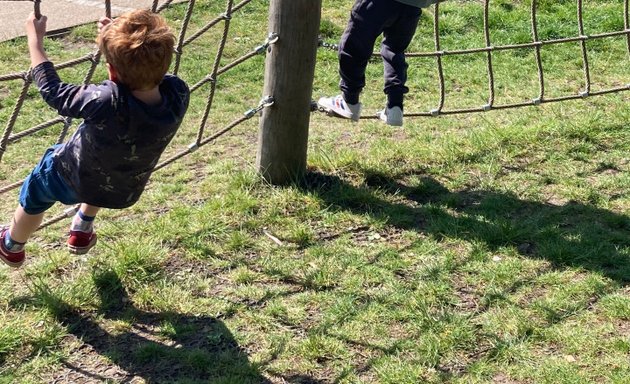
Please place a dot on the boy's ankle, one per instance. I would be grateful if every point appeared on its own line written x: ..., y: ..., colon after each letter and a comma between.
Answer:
x: 12, y: 259
x: 82, y: 223
x: 395, y: 100
x: 350, y: 99
x: 10, y: 245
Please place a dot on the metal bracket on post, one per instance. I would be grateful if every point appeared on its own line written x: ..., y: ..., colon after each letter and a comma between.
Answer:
x: 271, y: 39
x: 267, y: 101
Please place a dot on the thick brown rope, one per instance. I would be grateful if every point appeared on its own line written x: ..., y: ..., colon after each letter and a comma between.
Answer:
x: 182, y: 34
x: 14, y: 115
x: 583, y: 37
x: 626, y: 22
x: 438, y: 58
x: 17, y: 136
x: 261, y: 49
x: 486, y: 28
x: 537, y: 49
x: 214, y: 22
x: 215, y: 68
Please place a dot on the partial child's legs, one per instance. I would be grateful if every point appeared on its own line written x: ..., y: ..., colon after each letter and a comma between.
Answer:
x: 397, y: 38
x: 367, y: 20
x: 23, y: 225
x: 41, y: 189
x: 13, y: 239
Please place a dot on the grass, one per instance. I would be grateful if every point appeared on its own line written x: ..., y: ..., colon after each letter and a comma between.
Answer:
x: 482, y: 248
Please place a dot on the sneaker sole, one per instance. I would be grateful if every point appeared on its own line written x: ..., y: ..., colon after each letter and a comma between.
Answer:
x: 330, y: 110
x: 383, y: 118
x: 81, y: 250
x: 11, y: 263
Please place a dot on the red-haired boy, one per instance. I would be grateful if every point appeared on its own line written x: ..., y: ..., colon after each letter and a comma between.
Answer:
x: 128, y: 121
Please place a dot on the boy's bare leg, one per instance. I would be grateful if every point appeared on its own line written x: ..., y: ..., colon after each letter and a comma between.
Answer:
x: 24, y: 225
x: 89, y: 210
x: 12, y: 239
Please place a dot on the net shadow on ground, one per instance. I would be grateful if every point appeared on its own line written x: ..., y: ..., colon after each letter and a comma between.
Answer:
x: 569, y: 235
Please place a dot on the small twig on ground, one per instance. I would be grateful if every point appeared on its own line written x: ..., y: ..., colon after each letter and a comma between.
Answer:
x: 273, y: 238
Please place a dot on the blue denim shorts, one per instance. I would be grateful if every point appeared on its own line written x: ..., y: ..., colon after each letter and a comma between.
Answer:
x: 45, y: 186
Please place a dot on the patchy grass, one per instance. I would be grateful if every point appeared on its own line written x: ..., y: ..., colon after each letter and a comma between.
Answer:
x: 483, y: 248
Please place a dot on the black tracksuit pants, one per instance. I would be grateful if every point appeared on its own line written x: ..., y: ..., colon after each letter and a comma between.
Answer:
x: 368, y: 20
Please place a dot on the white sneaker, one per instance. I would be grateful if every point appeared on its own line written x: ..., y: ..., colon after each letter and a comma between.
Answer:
x: 392, y: 116
x: 338, y: 106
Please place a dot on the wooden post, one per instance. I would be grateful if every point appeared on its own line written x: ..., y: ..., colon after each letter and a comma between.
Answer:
x: 289, y: 73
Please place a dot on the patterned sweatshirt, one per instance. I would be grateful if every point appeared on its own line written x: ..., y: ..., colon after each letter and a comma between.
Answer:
x: 109, y: 159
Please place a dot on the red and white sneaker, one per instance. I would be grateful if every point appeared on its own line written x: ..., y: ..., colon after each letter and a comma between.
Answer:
x: 12, y: 259
x: 338, y: 106
x: 79, y: 243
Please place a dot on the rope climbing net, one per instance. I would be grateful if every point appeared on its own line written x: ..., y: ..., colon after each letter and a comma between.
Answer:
x: 211, y: 79
x: 221, y: 24
x: 536, y: 44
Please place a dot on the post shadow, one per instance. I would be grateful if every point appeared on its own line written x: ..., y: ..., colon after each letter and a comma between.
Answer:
x: 572, y: 235
x: 194, y: 349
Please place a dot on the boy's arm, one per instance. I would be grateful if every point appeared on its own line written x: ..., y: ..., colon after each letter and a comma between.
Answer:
x: 77, y: 101
x: 68, y: 99
x: 35, y: 31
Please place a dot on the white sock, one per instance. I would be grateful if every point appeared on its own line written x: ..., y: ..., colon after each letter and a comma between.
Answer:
x: 82, y: 223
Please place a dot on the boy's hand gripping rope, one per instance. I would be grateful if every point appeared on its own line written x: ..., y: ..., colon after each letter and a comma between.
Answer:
x: 37, y: 9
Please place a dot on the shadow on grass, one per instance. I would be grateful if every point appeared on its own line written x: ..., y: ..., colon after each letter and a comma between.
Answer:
x: 572, y: 235
x: 155, y: 347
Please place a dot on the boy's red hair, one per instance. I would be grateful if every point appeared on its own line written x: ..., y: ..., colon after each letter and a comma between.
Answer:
x: 139, y: 45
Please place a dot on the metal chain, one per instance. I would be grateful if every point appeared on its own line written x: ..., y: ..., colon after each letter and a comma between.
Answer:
x: 329, y: 46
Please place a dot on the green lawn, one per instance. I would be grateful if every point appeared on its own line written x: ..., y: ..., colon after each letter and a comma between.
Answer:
x: 476, y: 248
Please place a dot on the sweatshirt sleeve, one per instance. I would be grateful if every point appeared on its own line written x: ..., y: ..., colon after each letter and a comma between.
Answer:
x: 76, y: 101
